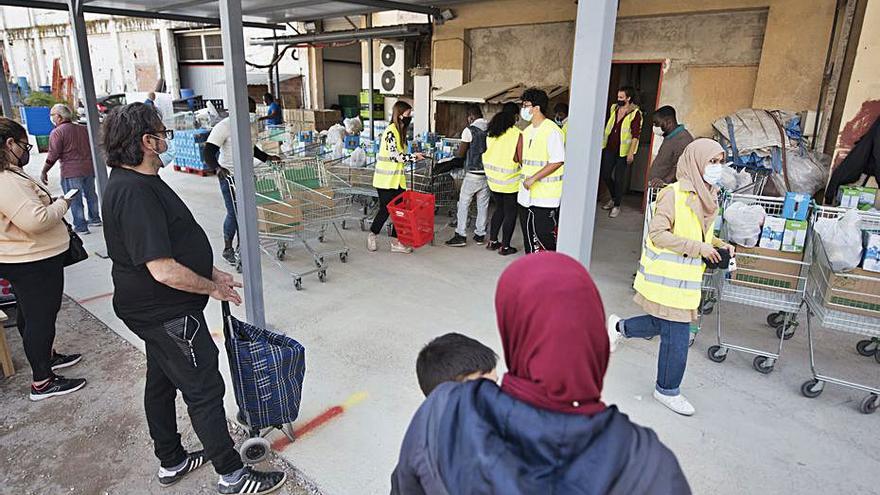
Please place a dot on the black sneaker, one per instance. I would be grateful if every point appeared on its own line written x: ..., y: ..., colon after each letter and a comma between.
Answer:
x: 457, y: 241
x: 59, y: 361
x: 254, y: 482
x: 57, y: 385
x: 229, y: 256
x: 194, y: 460
x: 96, y: 223
x: 479, y: 239
x: 507, y: 251
x: 493, y: 245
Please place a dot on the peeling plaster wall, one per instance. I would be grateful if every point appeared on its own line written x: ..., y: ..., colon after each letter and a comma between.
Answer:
x: 500, y: 54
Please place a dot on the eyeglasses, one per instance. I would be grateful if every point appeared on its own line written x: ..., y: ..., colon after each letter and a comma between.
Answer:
x: 26, y: 146
x: 165, y: 134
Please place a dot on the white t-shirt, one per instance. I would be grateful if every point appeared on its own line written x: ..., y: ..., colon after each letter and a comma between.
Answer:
x: 467, y: 136
x: 221, y: 137
x: 556, y: 149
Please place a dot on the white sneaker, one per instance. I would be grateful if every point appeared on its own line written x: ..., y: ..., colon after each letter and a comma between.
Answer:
x: 614, y: 212
x: 371, y: 242
x: 677, y: 403
x: 397, y: 247
x: 608, y: 205
x: 614, y: 336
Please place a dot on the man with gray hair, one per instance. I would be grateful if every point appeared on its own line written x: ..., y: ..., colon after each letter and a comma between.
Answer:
x: 69, y: 144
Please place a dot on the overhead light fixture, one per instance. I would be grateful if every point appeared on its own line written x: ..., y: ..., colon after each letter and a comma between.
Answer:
x: 445, y: 15
x: 311, y: 27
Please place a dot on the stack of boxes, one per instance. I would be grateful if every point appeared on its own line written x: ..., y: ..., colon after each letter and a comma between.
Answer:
x: 188, y: 146
x: 862, y: 198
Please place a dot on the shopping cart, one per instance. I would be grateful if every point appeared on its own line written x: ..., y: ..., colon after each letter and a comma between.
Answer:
x: 838, y: 303
x: 360, y: 179
x: 267, y: 371
x: 775, y: 282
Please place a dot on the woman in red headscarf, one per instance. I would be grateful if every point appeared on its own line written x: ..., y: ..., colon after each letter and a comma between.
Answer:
x: 546, y: 429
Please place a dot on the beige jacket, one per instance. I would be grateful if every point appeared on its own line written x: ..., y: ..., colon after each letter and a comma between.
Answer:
x: 660, y: 232
x: 31, y: 228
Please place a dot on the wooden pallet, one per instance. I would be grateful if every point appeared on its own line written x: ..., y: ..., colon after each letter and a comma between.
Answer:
x: 194, y: 171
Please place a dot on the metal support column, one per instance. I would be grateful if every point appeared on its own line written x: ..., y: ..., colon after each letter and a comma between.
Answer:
x: 87, y: 84
x: 4, y: 90
x: 370, y: 78
x: 591, y: 71
x: 232, y: 35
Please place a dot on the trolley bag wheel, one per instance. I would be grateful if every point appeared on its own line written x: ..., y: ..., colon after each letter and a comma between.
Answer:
x: 867, y: 348
x: 343, y: 257
x: 775, y: 319
x: 812, y: 388
x: 254, y: 450
x: 717, y: 353
x: 870, y: 404
x: 322, y: 276
x: 763, y: 364
x: 298, y: 283
x: 788, y: 331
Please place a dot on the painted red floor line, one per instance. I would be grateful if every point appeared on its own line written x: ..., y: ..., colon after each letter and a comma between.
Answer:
x: 94, y: 298
x: 282, y: 442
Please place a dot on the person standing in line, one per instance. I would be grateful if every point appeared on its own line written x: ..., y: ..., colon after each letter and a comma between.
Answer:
x: 561, y: 117
x: 389, y: 177
x: 69, y: 143
x: 219, y: 156
x: 473, y: 145
x: 543, y: 156
x: 33, y: 244
x: 675, y: 139
x: 151, y: 99
x: 668, y: 283
x: 163, y: 276
x: 502, y: 161
x: 619, y: 146
x: 274, y: 115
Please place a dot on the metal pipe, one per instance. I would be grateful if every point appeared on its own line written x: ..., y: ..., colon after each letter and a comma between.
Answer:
x: 370, y: 79
x: 406, y: 30
x: 391, y: 5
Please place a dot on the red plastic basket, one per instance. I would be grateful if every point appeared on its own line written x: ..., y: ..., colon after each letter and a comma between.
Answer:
x: 413, y: 216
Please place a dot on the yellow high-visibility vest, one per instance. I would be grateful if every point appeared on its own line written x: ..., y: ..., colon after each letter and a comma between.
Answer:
x: 669, y: 278
x: 389, y: 174
x: 536, y: 156
x: 625, y: 130
x: 565, y: 131
x: 502, y: 173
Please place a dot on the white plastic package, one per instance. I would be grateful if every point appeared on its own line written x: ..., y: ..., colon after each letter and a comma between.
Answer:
x: 336, y: 134
x: 353, y: 126
x: 358, y: 158
x: 744, y: 223
x: 842, y: 240
x: 728, y: 179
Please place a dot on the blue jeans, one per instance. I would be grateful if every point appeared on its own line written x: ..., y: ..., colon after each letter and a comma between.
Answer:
x: 86, y: 186
x: 230, y: 223
x: 674, y: 339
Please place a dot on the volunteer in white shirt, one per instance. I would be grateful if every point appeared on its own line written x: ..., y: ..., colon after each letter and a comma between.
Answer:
x: 220, y: 156
x: 542, y: 170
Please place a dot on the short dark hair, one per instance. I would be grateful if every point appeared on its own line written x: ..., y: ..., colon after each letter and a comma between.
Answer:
x: 630, y: 92
x: 665, y: 113
x: 452, y: 357
x: 538, y: 98
x: 474, y: 111
x: 511, y: 108
x: 9, y: 129
x: 252, y: 104
x: 269, y: 97
x: 561, y: 107
x: 123, y: 130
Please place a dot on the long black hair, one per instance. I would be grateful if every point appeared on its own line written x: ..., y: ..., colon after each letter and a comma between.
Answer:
x: 503, y: 120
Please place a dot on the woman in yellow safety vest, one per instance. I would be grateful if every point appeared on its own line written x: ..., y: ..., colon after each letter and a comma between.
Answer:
x: 680, y: 236
x: 620, y: 144
x: 501, y: 161
x: 389, y: 177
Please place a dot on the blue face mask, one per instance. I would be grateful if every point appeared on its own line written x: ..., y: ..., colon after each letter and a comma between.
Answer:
x: 166, y: 158
x: 526, y: 114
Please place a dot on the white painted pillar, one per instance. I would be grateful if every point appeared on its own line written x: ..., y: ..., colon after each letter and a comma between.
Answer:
x: 119, y: 68
x: 171, y: 72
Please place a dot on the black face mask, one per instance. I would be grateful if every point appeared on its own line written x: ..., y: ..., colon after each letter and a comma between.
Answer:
x: 405, y: 121
x: 621, y: 103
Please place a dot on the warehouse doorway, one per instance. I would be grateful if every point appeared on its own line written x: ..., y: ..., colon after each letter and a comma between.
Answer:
x: 343, y: 77
x: 646, y: 77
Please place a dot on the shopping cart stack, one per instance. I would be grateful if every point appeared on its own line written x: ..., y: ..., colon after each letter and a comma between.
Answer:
x: 360, y: 178
x: 765, y: 277
x: 423, y: 178
x: 846, y: 302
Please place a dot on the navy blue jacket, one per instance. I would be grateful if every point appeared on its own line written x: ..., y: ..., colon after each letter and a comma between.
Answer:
x: 471, y: 438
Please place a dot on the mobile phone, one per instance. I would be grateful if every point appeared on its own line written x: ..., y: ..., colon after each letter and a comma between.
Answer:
x: 70, y: 194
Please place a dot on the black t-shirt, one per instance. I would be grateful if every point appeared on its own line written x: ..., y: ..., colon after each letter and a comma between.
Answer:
x: 144, y: 220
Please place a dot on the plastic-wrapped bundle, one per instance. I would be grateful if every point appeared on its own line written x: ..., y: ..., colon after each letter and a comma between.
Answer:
x: 744, y: 223
x: 842, y: 239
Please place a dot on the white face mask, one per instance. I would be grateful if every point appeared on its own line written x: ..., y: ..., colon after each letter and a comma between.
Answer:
x: 526, y: 113
x: 658, y: 131
x: 712, y: 174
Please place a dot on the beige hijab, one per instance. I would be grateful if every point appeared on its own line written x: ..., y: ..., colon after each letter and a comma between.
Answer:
x: 689, y: 174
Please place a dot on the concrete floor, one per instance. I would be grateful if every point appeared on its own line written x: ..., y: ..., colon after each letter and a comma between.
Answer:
x: 363, y: 328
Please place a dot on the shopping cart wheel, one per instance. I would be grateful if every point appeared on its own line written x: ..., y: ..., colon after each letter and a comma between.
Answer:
x: 691, y: 339
x: 254, y: 450
x: 321, y: 238
x: 319, y: 262
x: 870, y: 404
x: 763, y: 364
x: 706, y: 307
x: 789, y: 331
x: 877, y: 356
x: 344, y: 226
x: 363, y: 225
x: 298, y: 283
x: 812, y: 388
x: 867, y: 348
x: 238, y: 266
x: 322, y: 275
x: 343, y: 257
x: 717, y: 353
x: 280, y: 253
x: 775, y: 319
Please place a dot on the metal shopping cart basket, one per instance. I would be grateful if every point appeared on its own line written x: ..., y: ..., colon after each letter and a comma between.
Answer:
x: 772, y: 280
x: 364, y: 195
x: 845, y: 302
x: 267, y: 371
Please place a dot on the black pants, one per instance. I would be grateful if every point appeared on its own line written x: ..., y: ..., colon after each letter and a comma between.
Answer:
x: 613, y: 173
x: 172, y: 367
x: 539, y: 228
x: 38, y: 286
x: 504, y: 218
x: 385, y: 197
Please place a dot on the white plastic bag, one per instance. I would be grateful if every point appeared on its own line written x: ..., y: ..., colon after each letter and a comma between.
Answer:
x: 842, y: 239
x: 744, y: 223
x: 336, y: 134
x: 728, y: 179
x: 353, y: 126
x: 358, y: 158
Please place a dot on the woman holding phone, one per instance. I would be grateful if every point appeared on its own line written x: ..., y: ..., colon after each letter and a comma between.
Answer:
x: 33, y: 244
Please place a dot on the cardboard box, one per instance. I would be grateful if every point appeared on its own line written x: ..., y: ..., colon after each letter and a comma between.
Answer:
x: 871, y: 261
x: 867, y: 196
x: 280, y: 218
x: 796, y: 206
x: 772, y: 232
x: 795, y: 236
x: 319, y: 198
x: 848, y: 196
x: 778, y: 274
x: 856, y: 292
